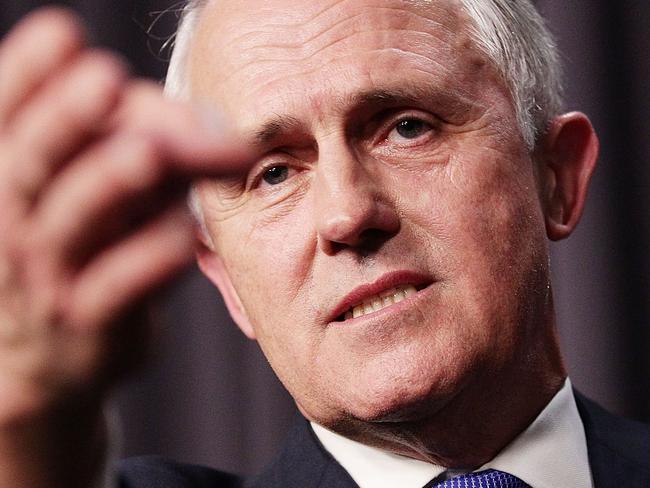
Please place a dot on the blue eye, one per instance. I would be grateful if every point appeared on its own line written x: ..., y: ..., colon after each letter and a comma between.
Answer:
x: 412, y: 128
x: 276, y: 175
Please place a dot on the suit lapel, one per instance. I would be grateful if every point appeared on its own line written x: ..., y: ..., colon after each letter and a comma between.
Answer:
x: 619, y: 449
x: 303, y: 463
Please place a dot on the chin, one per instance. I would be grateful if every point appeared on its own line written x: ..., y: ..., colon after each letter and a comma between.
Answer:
x: 401, y: 398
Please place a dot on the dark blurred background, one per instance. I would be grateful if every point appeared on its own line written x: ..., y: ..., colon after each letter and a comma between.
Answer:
x: 208, y: 396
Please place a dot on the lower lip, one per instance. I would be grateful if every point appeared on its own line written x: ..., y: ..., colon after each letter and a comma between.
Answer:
x: 395, y: 308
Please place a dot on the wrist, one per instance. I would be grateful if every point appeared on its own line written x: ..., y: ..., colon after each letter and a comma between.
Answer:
x: 63, y: 447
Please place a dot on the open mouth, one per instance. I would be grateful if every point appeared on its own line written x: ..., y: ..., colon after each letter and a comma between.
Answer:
x: 382, y: 300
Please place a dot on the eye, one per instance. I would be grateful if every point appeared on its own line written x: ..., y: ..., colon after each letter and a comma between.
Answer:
x: 276, y: 175
x: 410, y: 128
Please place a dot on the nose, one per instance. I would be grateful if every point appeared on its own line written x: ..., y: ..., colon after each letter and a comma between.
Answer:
x: 351, y: 209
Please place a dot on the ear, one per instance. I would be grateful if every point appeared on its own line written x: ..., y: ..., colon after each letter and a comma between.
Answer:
x: 568, y: 159
x: 212, y: 266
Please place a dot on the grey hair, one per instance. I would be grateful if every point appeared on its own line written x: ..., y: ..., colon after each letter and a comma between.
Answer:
x: 516, y: 39
x: 177, y: 82
x: 511, y: 33
x: 177, y: 86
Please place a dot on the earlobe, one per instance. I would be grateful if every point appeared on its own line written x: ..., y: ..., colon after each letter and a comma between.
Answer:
x: 212, y: 266
x: 570, y: 151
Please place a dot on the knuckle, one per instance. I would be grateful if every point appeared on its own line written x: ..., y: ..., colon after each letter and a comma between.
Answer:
x: 140, y: 98
x: 128, y: 164
x: 95, y: 82
x: 145, y: 163
x: 106, y: 63
x: 144, y: 89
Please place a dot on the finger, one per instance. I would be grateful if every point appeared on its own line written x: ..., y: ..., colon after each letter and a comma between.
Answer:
x: 131, y: 269
x: 105, y: 189
x: 37, y: 47
x: 61, y: 117
x: 131, y: 164
x: 197, y: 140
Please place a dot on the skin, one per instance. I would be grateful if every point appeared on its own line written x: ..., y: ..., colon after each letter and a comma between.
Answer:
x: 319, y: 89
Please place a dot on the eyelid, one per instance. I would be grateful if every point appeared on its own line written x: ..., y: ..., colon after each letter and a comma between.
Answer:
x: 256, y: 174
x: 400, y: 115
x: 266, y: 163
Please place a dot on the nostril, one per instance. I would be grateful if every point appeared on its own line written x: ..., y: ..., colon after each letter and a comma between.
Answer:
x: 371, y: 240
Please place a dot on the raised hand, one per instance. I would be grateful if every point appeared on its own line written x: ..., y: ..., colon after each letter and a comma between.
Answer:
x: 94, y: 168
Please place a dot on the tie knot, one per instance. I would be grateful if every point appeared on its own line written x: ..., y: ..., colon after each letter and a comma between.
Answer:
x: 490, y: 478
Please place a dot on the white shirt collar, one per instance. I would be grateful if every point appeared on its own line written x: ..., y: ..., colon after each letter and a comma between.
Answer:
x: 551, y: 452
x: 370, y: 467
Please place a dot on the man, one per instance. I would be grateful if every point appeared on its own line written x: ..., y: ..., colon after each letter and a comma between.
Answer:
x: 375, y: 206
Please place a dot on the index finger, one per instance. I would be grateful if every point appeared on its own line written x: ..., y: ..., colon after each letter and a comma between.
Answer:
x: 193, y: 141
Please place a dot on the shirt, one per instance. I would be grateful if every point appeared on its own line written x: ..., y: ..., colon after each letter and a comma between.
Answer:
x: 551, y: 452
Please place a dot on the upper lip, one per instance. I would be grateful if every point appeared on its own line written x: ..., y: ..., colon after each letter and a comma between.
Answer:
x: 385, y: 282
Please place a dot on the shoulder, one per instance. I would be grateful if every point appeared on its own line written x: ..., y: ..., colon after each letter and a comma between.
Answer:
x: 302, y: 463
x: 157, y: 472
x: 615, y: 444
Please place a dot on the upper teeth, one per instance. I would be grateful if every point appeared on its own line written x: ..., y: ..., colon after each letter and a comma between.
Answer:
x: 383, y: 300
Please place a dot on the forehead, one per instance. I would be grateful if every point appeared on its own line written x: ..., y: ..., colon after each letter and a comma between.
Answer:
x: 278, y: 51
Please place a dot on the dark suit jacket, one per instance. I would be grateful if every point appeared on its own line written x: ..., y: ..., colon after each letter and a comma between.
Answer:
x: 619, y: 455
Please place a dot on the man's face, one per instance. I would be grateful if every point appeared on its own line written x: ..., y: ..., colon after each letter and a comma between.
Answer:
x: 390, y: 165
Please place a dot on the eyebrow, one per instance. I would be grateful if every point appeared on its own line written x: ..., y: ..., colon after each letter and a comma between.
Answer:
x: 453, y: 101
x: 274, y: 127
x: 407, y: 94
x: 396, y: 96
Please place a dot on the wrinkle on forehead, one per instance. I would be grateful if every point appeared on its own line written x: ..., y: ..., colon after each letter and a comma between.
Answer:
x: 243, y: 36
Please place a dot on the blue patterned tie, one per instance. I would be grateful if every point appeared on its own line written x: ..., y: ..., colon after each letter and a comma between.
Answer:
x: 484, y: 479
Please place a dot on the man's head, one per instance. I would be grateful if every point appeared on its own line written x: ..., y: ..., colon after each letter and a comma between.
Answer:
x: 402, y: 179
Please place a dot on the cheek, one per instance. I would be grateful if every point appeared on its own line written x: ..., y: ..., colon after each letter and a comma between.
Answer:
x: 267, y: 257
x: 502, y: 257
x: 483, y: 225
x: 484, y: 205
